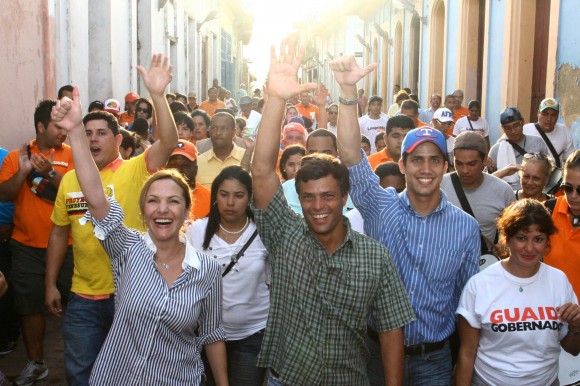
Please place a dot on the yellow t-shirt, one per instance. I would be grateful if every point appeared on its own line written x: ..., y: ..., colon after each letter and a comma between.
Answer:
x: 92, y: 267
x: 209, y: 166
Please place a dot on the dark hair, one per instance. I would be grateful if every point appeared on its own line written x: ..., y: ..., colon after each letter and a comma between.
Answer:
x: 399, y: 121
x: 410, y: 104
x: 96, y: 105
x: 572, y: 162
x: 42, y: 113
x: 170, y: 95
x: 176, y: 106
x: 144, y: 100
x: 66, y: 87
x: 203, y: 114
x: 212, y: 88
x: 141, y: 127
x: 129, y: 140
x: 111, y: 120
x: 241, y: 122
x: 474, y: 103
x: 407, y: 90
x: 449, y: 96
x: 261, y: 103
x: 183, y: 118
x: 380, y: 137
x: 522, y: 215
x: 414, y: 97
x: 228, y: 173
x: 365, y: 139
x: 180, y: 95
x: 389, y: 168
x: 317, y: 166
x: 223, y: 114
x: 323, y: 133
x: 286, y: 154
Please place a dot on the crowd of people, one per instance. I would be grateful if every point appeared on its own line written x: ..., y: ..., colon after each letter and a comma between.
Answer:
x: 288, y: 239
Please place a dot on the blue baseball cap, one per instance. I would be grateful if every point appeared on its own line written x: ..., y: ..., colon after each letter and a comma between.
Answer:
x: 509, y: 115
x: 423, y: 134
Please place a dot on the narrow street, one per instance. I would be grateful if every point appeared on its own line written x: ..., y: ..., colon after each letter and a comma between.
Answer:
x: 12, y: 364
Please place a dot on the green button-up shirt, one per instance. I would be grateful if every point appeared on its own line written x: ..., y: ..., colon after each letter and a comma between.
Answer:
x: 320, y: 303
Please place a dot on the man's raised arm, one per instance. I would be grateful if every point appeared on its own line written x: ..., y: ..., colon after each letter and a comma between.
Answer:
x: 282, y: 84
x: 347, y: 73
x: 156, y: 80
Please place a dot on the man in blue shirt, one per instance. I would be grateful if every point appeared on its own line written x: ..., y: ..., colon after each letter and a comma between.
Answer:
x: 435, y: 245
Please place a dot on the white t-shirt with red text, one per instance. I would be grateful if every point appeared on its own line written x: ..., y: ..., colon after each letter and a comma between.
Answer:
x: 519, y: 342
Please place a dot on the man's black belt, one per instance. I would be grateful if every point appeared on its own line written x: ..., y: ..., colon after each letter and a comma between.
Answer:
x: 424, y: 348
x: 418, y: 349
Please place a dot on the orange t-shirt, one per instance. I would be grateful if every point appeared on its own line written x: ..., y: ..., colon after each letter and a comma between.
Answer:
x: 563, y: 244
x: 460, y: 112
x: 420, y: 123
x: 305, y: 111
x: 200, y: 201
x: 32, y: 224
x: 211, y: 107
x: 378, y: 158
x: 125, y: 119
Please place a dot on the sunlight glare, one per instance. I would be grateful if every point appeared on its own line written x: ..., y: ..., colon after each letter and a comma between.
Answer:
x: 273, y: 20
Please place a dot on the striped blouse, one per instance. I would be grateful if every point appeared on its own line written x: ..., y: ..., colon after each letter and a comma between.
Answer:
x: 158, y: 331
x: 435, y: 254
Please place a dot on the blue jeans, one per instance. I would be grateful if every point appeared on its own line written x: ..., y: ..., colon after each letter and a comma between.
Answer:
x: 431, y: 369
x: 273, y: 380
x: 85, y: 327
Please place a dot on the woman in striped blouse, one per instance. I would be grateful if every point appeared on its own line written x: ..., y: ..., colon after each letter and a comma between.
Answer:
x: 168, y: 295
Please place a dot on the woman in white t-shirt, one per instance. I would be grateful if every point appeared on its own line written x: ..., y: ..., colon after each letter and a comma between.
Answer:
x: 229, y: 235
x: 473, y: 122
x: 515, y: 315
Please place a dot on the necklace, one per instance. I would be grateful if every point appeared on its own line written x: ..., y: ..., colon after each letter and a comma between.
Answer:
x: 521, y: 285
x: 164, y: 265
x: 238, y: 231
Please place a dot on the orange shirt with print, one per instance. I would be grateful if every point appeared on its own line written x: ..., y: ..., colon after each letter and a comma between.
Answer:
x: 305, y: 111
x: 378, y: 158
x: 200, y: 201
x: 563, y: 244
x: 210, y: 107
x: 32, y: 224
x: 125, y: 119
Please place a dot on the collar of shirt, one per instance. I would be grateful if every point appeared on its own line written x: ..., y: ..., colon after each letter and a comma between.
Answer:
x: 114, y: 165
x: 237, y: 153
x: 191, y: 259
x: 404, y: 200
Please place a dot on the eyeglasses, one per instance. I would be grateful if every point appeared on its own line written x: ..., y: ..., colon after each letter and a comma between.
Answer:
x: 539, y: 156
x: 512, y: 127
x: 445, y: 123
x: 569, y: 189
x: 142, y: 110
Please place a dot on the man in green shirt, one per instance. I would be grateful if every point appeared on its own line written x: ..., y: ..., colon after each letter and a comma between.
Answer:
x: 326, y: 278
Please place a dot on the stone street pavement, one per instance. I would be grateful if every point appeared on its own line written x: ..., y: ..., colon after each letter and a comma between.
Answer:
x: 12, y: 364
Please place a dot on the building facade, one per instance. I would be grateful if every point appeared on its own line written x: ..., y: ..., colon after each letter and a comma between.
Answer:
x: 98, y: 44
x: 501, y: 52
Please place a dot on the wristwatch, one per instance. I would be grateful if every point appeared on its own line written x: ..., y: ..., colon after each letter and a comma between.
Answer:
x: 348, y: 102
x: 51, y: 174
